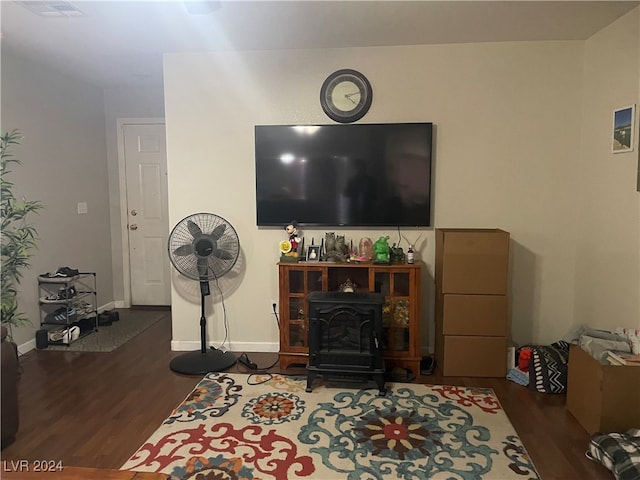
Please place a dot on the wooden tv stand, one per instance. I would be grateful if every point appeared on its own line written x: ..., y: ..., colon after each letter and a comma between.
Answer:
x: 399, y: 283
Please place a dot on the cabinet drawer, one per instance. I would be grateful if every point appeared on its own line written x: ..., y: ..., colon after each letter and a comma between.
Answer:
x: 466, y: 356
x: 475, y: 315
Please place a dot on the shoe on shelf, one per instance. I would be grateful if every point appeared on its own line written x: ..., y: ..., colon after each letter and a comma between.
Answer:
x: 62, y: 272
x: 71, y: 334
x: 67, y: 293
x: 83, y: 308
x: 62, y: 295
x: 60, y: 315
x: 67, y: 272
x: 53, y: 298
x: 66, y: 335
x: 56, y: 335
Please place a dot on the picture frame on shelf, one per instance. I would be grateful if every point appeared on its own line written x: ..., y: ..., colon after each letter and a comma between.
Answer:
x: 313, y: 253
x: 623, y: 131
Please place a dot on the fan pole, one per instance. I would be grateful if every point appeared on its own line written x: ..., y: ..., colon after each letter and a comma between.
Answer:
x: 204, y: 291
x: 204, y: 360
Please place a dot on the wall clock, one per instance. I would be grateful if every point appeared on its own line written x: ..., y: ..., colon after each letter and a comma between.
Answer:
x: 346, y: 96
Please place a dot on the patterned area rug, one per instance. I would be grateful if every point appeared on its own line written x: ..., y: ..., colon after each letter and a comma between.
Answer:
x: 228, y: 429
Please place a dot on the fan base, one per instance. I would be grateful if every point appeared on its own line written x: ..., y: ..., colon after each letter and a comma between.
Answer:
x: 198, y: 363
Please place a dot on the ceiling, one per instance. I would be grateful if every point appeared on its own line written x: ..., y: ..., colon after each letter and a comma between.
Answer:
x: 120, y: 43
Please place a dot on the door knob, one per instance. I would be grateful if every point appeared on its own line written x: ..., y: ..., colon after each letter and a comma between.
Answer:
x: 134, y: 212
x: 133, y: 227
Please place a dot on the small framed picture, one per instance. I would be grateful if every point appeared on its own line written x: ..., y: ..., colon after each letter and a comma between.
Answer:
x: 313, y: 253
x: 623, y: 129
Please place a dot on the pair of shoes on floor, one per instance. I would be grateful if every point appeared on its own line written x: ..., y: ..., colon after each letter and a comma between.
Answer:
x: 62, y: 272
x: 67, y: 335
x: 107, y: 317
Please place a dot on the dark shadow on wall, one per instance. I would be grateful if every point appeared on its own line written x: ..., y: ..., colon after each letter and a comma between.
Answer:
x: 524, y: 291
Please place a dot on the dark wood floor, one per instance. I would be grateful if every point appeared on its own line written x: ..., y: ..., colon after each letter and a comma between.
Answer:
x: 96, y: 409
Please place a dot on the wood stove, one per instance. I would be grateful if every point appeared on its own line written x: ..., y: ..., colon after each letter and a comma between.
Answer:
x: 345, y: 335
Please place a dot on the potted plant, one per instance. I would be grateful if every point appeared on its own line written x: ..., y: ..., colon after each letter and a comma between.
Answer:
x: 19, y: 238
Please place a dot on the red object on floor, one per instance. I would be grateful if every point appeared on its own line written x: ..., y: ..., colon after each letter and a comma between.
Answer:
x: 523, y: 359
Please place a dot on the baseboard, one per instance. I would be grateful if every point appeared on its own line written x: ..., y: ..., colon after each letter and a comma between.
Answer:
x: 27, y: 346
x: 108, y: 306
x: 187, y: 346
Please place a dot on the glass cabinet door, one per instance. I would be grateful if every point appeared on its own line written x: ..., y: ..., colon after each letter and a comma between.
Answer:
x: 314, y: 281
x: 394, y: 285
x: 296, y: 281
x: 301, y: 283
x: 297, y: 323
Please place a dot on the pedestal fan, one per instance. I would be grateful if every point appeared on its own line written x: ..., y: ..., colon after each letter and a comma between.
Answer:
x: 203, y: 247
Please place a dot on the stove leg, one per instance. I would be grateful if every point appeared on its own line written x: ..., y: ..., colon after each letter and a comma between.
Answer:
x: 310, y: 377
x: 379, y: 378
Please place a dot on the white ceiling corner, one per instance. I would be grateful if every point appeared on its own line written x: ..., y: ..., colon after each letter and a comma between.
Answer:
x: 121, y: 43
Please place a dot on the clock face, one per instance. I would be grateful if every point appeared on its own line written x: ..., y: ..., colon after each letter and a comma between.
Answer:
x: 346, y: 96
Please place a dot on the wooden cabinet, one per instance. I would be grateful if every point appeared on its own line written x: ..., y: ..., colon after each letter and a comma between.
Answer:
x: 471, y: 310
x: 400, y: 284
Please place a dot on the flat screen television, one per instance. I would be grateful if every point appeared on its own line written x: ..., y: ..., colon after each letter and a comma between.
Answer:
x: 357, y: 175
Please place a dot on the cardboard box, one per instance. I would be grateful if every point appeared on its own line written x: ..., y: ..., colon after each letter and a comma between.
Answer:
x: 470, y: 356
x: 603, y: 398
x: 485, y: 315
x: 472, y: 261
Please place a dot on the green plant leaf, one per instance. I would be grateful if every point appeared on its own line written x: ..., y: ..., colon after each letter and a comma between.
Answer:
x: 19, y: 238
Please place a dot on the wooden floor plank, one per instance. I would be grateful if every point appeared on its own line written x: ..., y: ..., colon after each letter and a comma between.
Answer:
x: 95, y: 409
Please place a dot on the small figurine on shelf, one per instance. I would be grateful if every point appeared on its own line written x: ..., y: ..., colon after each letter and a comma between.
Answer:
x: 381, y: 249
x: 348, y: 286
x: 335, y: 248
x: 397, y: 254
x: 366, y: 249
x: 289, y: 249
x: 294, y: 238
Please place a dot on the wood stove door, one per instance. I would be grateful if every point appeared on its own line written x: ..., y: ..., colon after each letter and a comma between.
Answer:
x: 345, y: 338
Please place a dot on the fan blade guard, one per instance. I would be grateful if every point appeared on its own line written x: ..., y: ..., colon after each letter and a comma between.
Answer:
x: 201, y: 256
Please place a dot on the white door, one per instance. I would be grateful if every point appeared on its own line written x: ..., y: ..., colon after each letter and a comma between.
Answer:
x: 147, y: 213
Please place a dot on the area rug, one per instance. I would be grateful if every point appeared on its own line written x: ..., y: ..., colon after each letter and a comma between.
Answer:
x: 230, y: 429
x: 109, y: 337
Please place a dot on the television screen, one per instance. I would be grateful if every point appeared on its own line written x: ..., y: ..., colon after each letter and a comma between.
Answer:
x: 360, y: 175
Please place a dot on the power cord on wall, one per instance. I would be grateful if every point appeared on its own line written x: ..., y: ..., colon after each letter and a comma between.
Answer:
x: 244, y: 360
x: 225, y: 319
x: 275, y: 313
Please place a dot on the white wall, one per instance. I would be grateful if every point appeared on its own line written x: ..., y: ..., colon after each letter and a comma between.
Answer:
x: 513, y: 149
x: 607, y: 274
x: 64, y: 155
x: 507, y: 132
x: 123, y: 103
